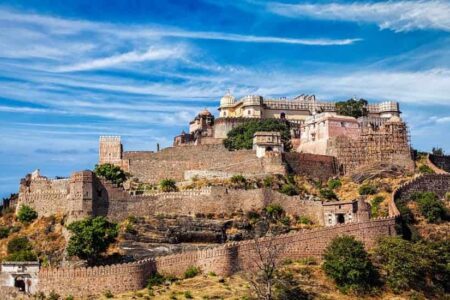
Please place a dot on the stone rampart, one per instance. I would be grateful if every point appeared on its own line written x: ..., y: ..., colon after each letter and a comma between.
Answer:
x: 437, y: 183
x: 223, y: 260
x: 313, y: 165
x: 440, y: 161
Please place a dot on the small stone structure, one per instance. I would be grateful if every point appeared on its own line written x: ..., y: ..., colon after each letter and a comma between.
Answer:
x: 342, y: 212
x: 267, y: 141
x: 21, y: 275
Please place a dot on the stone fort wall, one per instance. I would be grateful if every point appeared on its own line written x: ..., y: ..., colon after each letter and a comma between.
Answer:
x: 223, y: 260
x: 437, y: 183
x: 316, y: 166
x: 440, y: 161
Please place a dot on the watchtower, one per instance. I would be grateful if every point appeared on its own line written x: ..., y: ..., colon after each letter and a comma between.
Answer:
x: 267, y: 141
x: 110, y: 150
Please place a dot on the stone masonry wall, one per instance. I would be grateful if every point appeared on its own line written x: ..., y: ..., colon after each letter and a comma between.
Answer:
x: 313, y: 165
x: 437, y: 183
x: 223, y: 260
x: 441, y: 161
x: 174, y: 161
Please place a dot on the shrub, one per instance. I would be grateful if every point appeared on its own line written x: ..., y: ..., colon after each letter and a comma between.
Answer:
x: 304, y: 220
x: 70, y: 297
x: 241, y: 137
x: 274, y: 211
x: 375, y: 206
x: 238, y: 180
x: 53, y: 296
x: 253, y: 215
x: 426, y: 169
x: 91, y: 237
x: 23, y: 255
x: 155, y: 279
x: 285, y: 221
x: 404, y: 263
x: 328, y: 194
x: 108, y: 294
x: 4, y: 232
x: 367, y: 189
x: 188, y: 295
x: 18, y: 244
x: 191, y: 272
x: 334, y: 184
x: 289, y: 189
x: 268, y: 181
x: 168, y: 185
x: 347, y: 263
x: 430, y: 206
x: 111, y: 172
x: 26, y: 214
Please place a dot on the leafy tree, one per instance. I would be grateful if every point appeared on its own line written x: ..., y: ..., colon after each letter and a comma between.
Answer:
x: 20, y: 249
x: 111, y: 172
x: 91, y: 237
x: 289, y: 189
x: 241, y: 137
x: 347, y: 263
x: 437, y: 151
x: 168, y: 185
x: 404, y: 264
x: 352, y: 108
x: 430, y: 206
x: 26, y: 214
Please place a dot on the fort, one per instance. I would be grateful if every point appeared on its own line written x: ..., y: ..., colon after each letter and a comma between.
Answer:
x: 325, y: 145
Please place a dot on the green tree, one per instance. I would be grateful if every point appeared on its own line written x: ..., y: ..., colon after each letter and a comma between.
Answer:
x: 403, y: 264
x: 289, y: 189
x: 352, y: 108
x: 91, y: 237
x: 347, y: 263
x: 168, y: 185
x: 437, y: 151
x: 241, y: 137
x: 334, y: 184
x: 430, y: 206
x: 367, y: 189
x: 26, y: 214
x: 20, y: 249
x: 328, y: 194
x: 111, y: 172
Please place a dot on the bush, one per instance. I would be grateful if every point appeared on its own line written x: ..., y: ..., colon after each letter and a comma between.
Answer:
x: 304, y: 220
x: 367, y: 189
x: 404, y: 263
x: 241, y: 137
x: 111, y: 172
x: 26, y: 214
x: 375, y: 206
x: 23, y: 255
x: 430, y: 206
x: 268, y: 181
x: 188, y: 295
x: 334, y: 184
x: 328, y: 194
x: 168, y: 185
x: 191, y: 272
x: 18, y: 244
x: 108, y: 294
x: 53, y: 296
x: 238, y: 180
x: 274, y: 211
x: 91, y: 237
x: 4, y: 232
x: 155, y: 280
x: 347, y: 263
x: 289, y: 189
x: 426, y: 169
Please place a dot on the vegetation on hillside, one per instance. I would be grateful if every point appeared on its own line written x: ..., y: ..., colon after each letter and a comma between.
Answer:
x: 352, y: 108
x: 111, y: 172
x: 241, y: 137
x: 168, y: 185
x: 91, y: 237
x: 26, y: 214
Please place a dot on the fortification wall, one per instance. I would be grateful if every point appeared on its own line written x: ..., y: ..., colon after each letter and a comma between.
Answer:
x: 174, y: 161
x: 317, y: 166
x: 437, y: 183
x: 223, y: 260
x: 440, y: 161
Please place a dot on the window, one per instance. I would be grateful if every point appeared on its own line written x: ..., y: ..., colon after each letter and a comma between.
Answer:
x: 342, y: 124
x: 248, y: 112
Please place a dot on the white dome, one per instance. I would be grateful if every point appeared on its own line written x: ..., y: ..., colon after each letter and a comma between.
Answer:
x: 227, y: 100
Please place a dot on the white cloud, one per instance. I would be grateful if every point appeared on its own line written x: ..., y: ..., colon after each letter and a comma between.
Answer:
x: 151, y: 54
x: 395, y: 15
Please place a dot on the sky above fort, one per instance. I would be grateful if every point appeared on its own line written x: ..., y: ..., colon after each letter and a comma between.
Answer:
x: 74, y: 70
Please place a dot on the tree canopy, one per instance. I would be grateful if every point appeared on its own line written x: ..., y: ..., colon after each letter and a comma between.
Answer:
x: 91, y: 237
x: 111, y: 172
x: 241, y: 137
x: 352, y: 108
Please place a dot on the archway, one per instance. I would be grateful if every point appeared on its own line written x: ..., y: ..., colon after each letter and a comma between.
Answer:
x: 269, y: 149
x: 19, y: 283
x: 340, y: 218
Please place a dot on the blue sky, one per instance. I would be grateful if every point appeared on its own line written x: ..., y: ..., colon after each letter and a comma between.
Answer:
x: 71, y: 71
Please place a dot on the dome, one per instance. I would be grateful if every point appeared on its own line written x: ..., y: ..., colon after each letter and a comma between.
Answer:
x: 227, y: 99
x: 204, y: 112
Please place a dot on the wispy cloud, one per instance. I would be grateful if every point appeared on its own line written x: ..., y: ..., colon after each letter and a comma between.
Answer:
x: 395, y: 15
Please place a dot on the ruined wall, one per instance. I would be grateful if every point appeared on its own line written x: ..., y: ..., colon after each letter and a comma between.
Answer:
x: 173, y: 162
x: 223, y: 260
x: 441, y: 161
x: 313, y: 165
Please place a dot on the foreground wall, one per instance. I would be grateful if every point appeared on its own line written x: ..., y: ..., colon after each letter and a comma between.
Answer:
x: 223, y: 260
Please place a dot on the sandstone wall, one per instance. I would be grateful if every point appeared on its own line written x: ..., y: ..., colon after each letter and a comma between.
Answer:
x: 313, y: 165
x: 437, y: 183
x: 441, y: 161
x: 223, y: 260
x: 174, y: 161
